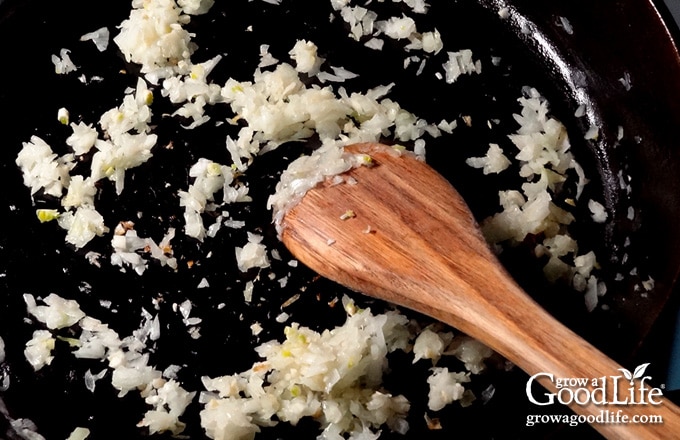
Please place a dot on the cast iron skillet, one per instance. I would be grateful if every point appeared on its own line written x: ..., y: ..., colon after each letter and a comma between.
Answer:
x: 609, y: 41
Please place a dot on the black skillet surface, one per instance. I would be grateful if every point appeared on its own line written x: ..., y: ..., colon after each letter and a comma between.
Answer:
x: 608, y: 40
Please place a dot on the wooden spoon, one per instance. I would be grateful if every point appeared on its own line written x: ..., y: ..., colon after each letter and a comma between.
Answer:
x: 412, y: 240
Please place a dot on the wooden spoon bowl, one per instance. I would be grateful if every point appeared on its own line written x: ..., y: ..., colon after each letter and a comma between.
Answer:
x: 411, y: 240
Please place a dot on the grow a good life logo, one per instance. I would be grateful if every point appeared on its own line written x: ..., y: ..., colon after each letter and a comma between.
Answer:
x: 627, y: 388
x: 605, y: 390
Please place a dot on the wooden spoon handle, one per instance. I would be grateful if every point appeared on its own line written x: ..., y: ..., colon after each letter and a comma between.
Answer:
x: 412, y: 240
x: 572, y: 371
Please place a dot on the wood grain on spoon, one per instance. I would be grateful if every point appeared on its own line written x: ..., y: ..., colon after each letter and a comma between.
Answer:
x: 413, y: 241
